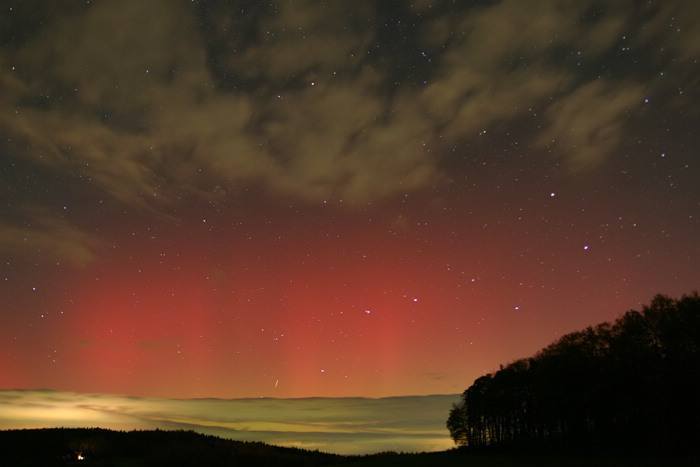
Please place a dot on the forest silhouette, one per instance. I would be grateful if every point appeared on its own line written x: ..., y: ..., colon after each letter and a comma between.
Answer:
x: 628, y: 385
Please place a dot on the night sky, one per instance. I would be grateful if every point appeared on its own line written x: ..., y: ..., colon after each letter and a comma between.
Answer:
x: 301, y: 198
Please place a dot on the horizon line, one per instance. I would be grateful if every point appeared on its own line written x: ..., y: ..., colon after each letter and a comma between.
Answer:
x: 213, y: 398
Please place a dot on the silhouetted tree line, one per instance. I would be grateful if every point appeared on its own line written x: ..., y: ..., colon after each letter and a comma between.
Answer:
x: 634, y: 383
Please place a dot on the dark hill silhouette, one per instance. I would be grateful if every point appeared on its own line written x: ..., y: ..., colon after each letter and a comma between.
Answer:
x: 632, y: 386
x: 53, y: 447
x: 98, y: 447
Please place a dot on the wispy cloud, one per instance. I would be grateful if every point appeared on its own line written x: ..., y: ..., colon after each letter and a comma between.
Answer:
x: 152, y: 101
x: 42, y: 235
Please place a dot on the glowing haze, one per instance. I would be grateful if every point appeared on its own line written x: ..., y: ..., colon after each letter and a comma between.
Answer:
x: 292, y: 199
x: 345, y: 425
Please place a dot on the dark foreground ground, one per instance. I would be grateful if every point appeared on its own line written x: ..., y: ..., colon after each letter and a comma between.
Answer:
x: 97, y: 447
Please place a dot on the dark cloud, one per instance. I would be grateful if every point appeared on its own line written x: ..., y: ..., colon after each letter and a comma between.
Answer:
x: 309, y: 101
